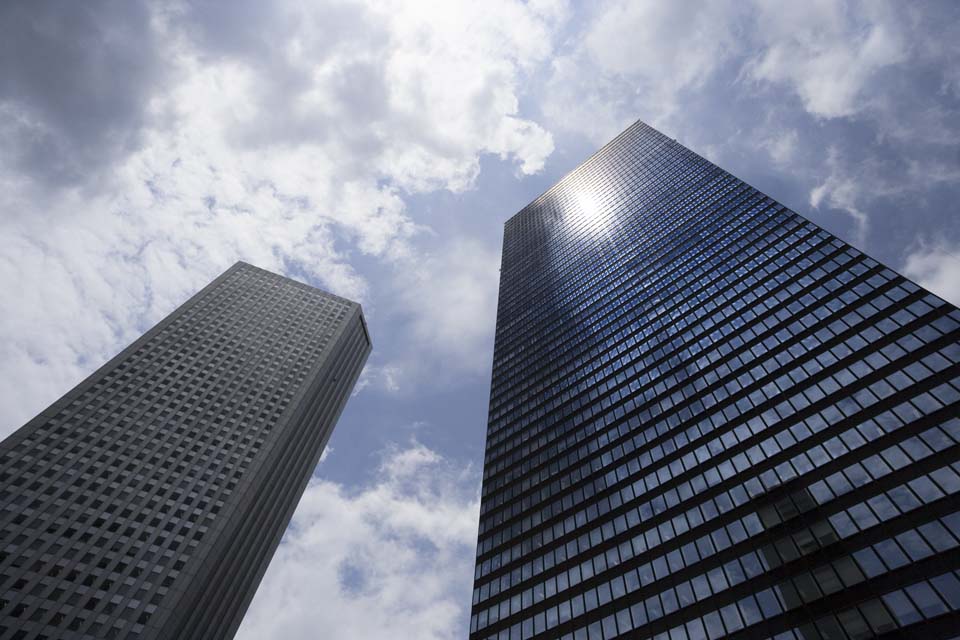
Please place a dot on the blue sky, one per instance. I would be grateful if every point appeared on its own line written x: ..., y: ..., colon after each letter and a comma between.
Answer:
x: 375, y: 149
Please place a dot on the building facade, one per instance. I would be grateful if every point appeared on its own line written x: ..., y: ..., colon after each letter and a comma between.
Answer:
x: 711, y: 418
x: 148, y: 501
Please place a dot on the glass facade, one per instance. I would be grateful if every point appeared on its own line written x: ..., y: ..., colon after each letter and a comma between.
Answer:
x: 711, y: 418
x: 148, y: 501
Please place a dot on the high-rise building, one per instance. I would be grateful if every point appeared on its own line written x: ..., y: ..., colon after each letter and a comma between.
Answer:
x: 147, y: 502
x: 710, y: 417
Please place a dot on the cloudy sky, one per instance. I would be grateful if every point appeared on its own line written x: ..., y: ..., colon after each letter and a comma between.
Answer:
x: 375, y: 149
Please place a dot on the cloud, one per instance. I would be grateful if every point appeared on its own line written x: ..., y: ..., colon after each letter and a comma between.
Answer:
x: 936, y: 266
x: 385, y: 377
x: 667, y: 47
x: 195, y: 140
x: 634, y: 58
x: 941, y: 46
x: 450, y: 301
x: 843, y: 191
x: 686, y: 68
x: 391, y: 377
x: 75, y: 87
x: 411, y: 93
x: 781, y: 144
x: 91, y: 273
x: 393, y: 559
x: 827, y: 52
x: 859, y: 183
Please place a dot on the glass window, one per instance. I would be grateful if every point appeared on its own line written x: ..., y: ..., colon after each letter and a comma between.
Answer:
x: 869, y: 562
x: 731, y: 618
x: 695, y: 630
x: 948, y: 587
x: 714, y: 625
x: 926, y: 599
x: 877, y: 617
x: 750, y: 611
x: 854, y: 624
x: 914, y: 545
x: 769, y: 605
x: 891, y: 554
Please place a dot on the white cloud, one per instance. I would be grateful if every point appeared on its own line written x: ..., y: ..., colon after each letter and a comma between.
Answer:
x: 75, y: 85
x: 90, y: 273
x: 826, y: 52
x: 844, y: 191
x: 391, y: 377
x: 325, y: 454
x: 386, y: 377
x: 914, y: 119
x: 929, y: 172
x: 652, y: 59
x: 637, y: 58
x: 450, y: 298
x: 665, y: 45
x: 781, y: 145
x: 936, y: 266
x: 297, y: 158
x: 941, y: 44
x: 391, y: 560
x: 854, y: 186
x: 407, y: 92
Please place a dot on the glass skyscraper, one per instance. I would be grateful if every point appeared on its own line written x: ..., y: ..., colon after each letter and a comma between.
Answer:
x: 147, y: 502
x: 711, y: 418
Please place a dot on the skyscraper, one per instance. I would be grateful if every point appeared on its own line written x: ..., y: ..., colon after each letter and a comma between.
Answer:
x: 709, y: 417
x: 148, y: 501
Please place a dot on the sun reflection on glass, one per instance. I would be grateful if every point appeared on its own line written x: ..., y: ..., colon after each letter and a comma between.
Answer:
x: 588, y: 205
x: 591, y: 217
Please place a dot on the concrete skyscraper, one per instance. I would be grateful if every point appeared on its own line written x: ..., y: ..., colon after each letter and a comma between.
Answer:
x: 711, y: 418
x: 148, y: 501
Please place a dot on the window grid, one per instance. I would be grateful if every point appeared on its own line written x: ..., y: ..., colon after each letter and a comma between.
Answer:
x: 111, y: 498
x: 682, y: 362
